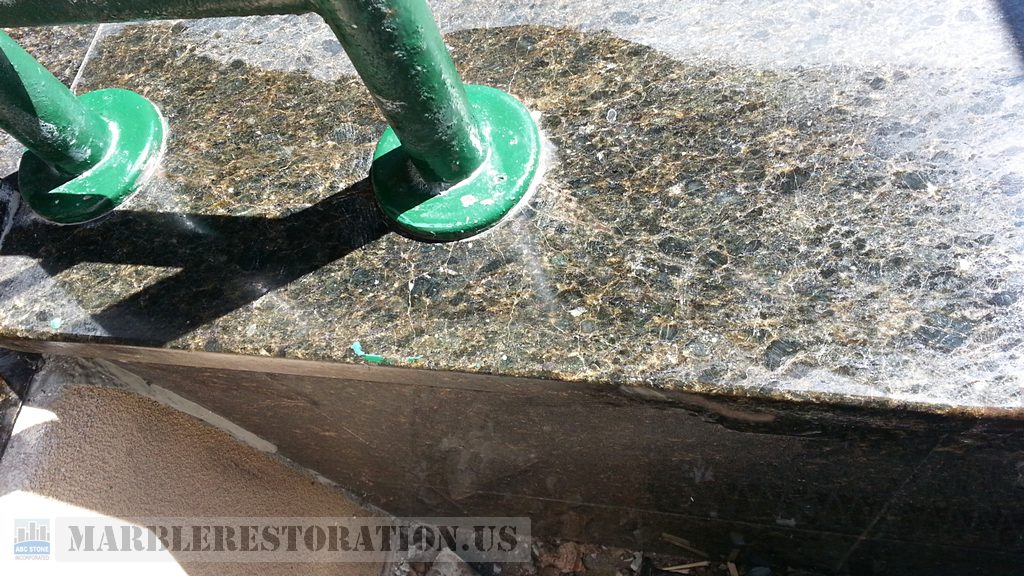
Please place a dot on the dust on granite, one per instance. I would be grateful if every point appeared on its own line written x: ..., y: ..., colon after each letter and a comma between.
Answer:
x: 703, y: 225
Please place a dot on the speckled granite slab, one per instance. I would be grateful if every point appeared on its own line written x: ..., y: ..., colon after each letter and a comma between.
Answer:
x: 816, y: 202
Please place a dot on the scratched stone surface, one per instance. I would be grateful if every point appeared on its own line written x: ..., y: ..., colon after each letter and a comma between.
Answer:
x: 821, y: 202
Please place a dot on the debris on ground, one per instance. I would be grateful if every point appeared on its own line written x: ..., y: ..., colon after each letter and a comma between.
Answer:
x: 448, y: 563
x: 568, y: 558
x: 684, y: 544
x: 357, y: 349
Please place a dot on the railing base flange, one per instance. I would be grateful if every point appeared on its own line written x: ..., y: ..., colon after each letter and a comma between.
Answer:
x: 139, y: 139
x: 426, y: 211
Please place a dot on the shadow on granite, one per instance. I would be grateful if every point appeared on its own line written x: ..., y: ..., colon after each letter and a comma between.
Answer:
x: 1013, y: 15
x: 223, y: 262
x: 845, y: 233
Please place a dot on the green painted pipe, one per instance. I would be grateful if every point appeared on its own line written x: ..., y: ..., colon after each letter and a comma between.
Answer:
x: 397, y: 50
x: 41, y: 113
x: 86, y: 155
x: 14, y: 13
x: 395, y: 46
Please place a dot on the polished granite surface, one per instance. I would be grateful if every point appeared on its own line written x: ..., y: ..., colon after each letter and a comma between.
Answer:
x: 788, y: 199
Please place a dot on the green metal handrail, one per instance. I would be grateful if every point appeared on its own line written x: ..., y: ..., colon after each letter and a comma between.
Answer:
x: 455, y: 160
x: 15, y: 13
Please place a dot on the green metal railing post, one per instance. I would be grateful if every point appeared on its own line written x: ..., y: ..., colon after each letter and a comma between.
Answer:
x: 85, y: 155
x: 398, y: 52
x: 475, y: 149
x: 33, y: 104
x: 456, y: 158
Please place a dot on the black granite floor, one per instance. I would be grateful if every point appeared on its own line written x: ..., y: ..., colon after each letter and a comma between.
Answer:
x: 845, y: 230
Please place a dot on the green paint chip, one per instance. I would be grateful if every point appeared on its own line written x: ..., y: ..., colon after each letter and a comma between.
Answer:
x: 357, y: 349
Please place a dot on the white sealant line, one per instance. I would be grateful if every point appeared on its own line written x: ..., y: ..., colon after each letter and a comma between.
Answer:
x: 164, y: 396
x: 117, y: 377
x: 85, y: 59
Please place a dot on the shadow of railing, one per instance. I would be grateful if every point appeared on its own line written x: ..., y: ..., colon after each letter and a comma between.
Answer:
x: 1013, y: 19
x: 225, y: 262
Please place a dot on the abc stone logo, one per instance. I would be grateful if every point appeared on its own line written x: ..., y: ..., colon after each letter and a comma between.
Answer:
x: 32, y: 539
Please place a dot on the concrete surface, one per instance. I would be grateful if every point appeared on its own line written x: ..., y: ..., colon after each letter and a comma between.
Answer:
x: 86, y: 451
